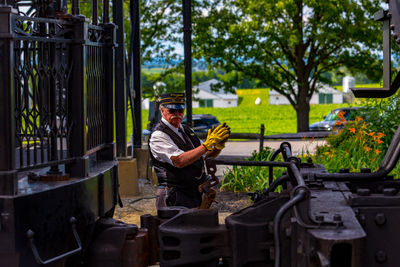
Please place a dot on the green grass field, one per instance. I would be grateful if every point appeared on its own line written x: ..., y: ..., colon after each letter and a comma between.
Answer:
x: 248, y: 117
x: 153, y: 70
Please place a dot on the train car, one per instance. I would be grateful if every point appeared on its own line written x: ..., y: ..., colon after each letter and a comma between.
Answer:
x: 58, y: 167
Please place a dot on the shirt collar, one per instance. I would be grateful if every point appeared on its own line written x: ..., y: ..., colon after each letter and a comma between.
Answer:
x: 173, y: 128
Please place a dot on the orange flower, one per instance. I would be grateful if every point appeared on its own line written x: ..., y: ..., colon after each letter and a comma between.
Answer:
x: 377, y: 151
x: 338, y: 123
x: 379, y: 135
x: 352, y: 130
x: 359, y: 119
x: 379, y: 141
x: 371, y: 134
x: 367, y: 148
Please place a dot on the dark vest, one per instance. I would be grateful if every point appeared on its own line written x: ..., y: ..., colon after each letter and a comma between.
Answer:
x: 181, y: 178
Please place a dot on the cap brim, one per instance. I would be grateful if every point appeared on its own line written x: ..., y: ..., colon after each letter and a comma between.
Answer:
x: 175, y: 106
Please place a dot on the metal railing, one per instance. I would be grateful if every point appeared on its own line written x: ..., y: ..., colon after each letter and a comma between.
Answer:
x: 261, y: 137
x: 56, y: 89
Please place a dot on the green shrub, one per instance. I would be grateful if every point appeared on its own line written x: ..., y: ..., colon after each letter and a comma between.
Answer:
x: 362, y: 143
x: 250, y: 178
x: 384, y: 116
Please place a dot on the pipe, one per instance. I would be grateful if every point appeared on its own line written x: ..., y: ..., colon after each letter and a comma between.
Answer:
x: 278, y: 182
x: 277, y: 221
x: 271, y: 169
x: 292, y: 168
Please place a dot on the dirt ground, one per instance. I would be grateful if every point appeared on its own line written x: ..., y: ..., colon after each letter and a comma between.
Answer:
x: 227, y: 203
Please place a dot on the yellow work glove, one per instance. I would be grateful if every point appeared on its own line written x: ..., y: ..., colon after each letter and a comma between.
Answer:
x: 221, y: 144
x: 215, y: 137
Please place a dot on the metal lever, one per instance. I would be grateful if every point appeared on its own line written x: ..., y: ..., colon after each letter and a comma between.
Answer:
x: 206, y: 187
x: 388, y: 88
x: 30, y: 234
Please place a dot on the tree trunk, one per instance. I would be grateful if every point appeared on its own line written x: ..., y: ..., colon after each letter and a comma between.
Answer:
x: 303, y: 111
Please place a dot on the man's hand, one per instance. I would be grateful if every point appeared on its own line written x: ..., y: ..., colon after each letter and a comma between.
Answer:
x: 221, y: 144
x: 216, y: 136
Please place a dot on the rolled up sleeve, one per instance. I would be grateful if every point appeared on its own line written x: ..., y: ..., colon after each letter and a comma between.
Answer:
x: 163, y: 148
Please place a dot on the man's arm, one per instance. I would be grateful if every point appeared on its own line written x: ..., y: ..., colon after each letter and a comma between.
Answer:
x: 188, y: 157
x: 213, y: 153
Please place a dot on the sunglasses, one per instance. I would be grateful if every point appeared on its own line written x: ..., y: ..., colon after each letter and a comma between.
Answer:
x: 173, y: 110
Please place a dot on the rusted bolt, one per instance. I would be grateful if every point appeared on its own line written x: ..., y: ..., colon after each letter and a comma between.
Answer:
x: 362, y: 219
x: 389, y: 191
x: 380, y: 256
x: 363, y: 192
x: 380, y: 219
x: 337, y: 218
x: 300, y: 246
x: 319, y: 218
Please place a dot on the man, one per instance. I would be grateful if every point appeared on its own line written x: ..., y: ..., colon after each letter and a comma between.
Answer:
x: 177, y: 154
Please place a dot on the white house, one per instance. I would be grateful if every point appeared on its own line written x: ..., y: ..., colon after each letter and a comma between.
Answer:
x: 325, y: 95
x: 216, y: 99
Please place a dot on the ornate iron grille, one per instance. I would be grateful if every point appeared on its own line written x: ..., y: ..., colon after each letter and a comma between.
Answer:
x: 41, y: 72
x: 96, y: 107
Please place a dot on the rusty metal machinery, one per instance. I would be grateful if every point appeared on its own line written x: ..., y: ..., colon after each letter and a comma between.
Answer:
x: 318, y: 218
x: 58, y: 170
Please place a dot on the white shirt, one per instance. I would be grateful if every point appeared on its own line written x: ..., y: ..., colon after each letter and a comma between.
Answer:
x: 161, y: 145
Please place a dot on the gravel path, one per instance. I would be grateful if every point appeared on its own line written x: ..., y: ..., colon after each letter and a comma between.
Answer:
x: 227, y: 203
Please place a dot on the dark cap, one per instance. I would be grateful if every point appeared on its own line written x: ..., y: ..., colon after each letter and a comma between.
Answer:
x: 173, y: 100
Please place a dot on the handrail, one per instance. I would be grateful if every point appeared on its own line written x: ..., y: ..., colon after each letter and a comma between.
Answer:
x: 291, y: 166
x: 30, y: 234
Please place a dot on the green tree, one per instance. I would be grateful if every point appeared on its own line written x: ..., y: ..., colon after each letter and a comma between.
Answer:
x: 288, y: 44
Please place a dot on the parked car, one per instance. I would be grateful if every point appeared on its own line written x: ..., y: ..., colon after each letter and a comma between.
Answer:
x: 329, y: 122
x: 203, y: 122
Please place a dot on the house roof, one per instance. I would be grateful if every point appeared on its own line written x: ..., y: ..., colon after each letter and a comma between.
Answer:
x: 321, y: 87
x: 219, y: 93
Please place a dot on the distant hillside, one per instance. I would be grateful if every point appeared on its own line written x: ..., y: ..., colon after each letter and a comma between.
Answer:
x: 161, y: 63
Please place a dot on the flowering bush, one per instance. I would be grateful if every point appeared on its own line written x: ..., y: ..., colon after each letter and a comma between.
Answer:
x: 358, y: 145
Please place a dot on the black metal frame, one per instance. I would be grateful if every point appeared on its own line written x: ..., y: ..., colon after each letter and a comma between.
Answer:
x: 60, y: 91
x: 57, y: 120
x: 389, y: 20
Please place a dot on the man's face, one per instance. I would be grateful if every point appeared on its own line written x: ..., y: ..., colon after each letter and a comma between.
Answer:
x: 173, y: 116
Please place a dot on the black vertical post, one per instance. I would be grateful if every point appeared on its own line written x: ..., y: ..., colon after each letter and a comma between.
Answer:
x: 8, y: 174
x: 75, y: 9
x: 106, y: 11
x: 386, y: 53
x: 94, y: 12
x: 187, y: 40
x: 136, y: 69
x: 78, y: 101
x: 108, y: 97
x: 120, y: 90
x: 262, y: 130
